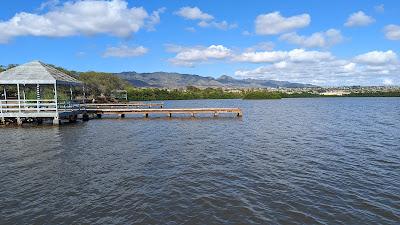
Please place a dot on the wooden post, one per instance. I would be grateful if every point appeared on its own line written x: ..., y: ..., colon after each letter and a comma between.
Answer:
x: 122, y: 115
x: 24, y: 96
x: 70, y: 91
x: 170, y: 115
x: 37, y: 96
x: 56, y: 97
x: 147, y: 115
x: 19, y: 99
x: 19, y: 121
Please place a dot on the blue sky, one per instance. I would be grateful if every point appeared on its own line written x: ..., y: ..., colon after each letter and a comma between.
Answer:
x: 329, y: 43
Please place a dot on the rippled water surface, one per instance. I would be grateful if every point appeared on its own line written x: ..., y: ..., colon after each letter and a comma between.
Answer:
x: 329, y: 161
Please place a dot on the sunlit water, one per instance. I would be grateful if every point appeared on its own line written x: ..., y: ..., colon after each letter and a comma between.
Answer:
x: 305, y: 161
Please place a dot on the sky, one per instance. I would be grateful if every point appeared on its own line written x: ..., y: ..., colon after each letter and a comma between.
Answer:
x: 327, y: 43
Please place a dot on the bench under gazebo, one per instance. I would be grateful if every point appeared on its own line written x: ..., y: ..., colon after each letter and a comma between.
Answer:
x: 32, y: 92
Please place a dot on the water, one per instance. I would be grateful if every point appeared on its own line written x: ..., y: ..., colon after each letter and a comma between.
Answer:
x: 305, y: 161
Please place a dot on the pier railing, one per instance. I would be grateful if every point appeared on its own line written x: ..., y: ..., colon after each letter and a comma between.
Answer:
x: 26, y: 106
x: 37, y: 106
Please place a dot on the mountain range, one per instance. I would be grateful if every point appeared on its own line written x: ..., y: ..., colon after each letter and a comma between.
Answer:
x: 177, y: 80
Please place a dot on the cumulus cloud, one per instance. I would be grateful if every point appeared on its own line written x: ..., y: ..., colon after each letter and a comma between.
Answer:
x: 49, y: 4
x: 392, y: 32
x: 377, y: 58
x: 206, y: 20
x: 295, y: 55
x: 370, y: 68
x: 154, y: 18
x: 263, y: 46
x: 359, y: 19
x: 193, y: 13
x: 320, y: 39
x: 275, y: 23
x: 76, y: 18
x: 124, y: 51
x: 223, y: 25
x: 189, y: 56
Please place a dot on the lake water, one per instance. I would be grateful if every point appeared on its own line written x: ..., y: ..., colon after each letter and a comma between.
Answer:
x: 290, y: 161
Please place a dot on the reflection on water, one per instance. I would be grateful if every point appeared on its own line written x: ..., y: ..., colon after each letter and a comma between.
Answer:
x: 331, y: 160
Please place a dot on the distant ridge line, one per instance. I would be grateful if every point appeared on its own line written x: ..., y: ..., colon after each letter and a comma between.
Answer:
x: 178, y: 80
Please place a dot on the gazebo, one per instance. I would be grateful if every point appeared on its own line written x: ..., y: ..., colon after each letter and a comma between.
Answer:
x: 30, y: 92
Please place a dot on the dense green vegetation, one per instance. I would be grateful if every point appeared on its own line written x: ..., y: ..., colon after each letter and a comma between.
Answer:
x: 97, y: 84
x: 189, y: 93
x: 261, y: 94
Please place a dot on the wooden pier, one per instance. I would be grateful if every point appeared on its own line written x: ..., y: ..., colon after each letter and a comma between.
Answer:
x: 123, y: 105
x: 169, y: 112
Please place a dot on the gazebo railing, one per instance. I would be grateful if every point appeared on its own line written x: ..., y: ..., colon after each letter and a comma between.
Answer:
x: 26, y: 106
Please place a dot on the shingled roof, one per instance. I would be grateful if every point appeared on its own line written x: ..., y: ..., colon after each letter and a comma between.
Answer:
x: 36, y: 72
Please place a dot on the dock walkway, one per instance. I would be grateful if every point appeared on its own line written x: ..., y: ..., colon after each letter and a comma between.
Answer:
x: 146, y: 112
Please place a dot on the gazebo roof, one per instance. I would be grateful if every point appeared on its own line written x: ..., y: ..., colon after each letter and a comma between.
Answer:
x: 36, y: 72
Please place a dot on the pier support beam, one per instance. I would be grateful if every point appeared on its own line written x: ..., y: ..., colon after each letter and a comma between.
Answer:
x: 98, y: 116
x: 56, y: 121
x: 146, y: 115
x: 19, y: 121
x: 122, y: 115
x: 170, y: 115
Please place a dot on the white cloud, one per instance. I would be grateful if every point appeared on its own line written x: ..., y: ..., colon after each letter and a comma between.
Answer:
x: 193, y: 13
x: 263, y: 46
x: 154, y: 18
x: 219, y: 25
x: 392, y: 32
x: 295, y: 55
x: 275, y: 23
x: 320, y: 39
x: 329, y: 72
x: 350, y: 67
x: 206, y: 20
x: 359, y: 19
x: 261, y: 57
x: 387, y: 81
x: 49, y: 4
x: 380, y: 8
x: 76, y: 18
x: 377, y: 58
x: 192, y: 55
x: 124, y: 51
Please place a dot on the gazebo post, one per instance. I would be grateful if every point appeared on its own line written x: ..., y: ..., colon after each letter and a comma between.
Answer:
x: 37, y: 96
x: 56, y: 120
x: 1, y: 105
x: 24, y: 95
x: 5, y: 93
x: 71, y: 93
x: 19, y: 121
